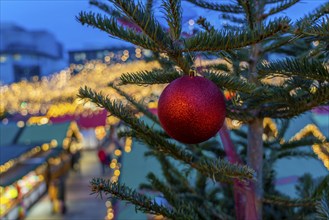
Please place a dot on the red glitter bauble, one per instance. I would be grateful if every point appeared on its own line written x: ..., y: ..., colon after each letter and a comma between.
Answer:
x: 191, y: 109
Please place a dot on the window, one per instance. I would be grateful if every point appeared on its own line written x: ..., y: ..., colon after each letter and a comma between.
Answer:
x: 3, y: 58
x: 17, y: 56
x: 80, y: 56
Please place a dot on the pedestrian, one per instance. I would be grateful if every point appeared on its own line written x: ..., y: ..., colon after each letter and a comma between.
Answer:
x: 103, y: 159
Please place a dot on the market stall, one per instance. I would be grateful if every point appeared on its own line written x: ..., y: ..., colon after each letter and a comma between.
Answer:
x: 21, y: 186
x: 66, y: 136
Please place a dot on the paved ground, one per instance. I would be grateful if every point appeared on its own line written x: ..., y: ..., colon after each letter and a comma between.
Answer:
x: 81, y: 205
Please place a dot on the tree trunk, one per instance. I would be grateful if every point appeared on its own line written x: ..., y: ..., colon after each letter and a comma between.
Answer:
x: 255, y: 161
x: 255, y: 133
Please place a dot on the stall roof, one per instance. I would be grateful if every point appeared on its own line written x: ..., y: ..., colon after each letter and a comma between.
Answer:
x: 23, y: 168
x: 8, y: 133
x: 10, y: 152
x: 44, y: 133
x: 17, y: 173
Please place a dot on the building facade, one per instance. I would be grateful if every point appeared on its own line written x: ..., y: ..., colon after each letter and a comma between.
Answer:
x: 25, y: 54
x: 108, y: 55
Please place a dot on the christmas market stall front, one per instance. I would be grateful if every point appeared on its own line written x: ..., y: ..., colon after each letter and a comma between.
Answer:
x: 23, y: 178
x: 31, y: 162
x: 66, y: 135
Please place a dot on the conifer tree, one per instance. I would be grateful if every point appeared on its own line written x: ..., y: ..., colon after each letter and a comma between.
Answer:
x: 255, y: 31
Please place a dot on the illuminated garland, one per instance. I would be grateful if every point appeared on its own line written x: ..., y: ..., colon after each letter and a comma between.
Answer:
x: 73, y: 130
x: 57, y: 95
x: 321, y: 150
x: 44, y: 147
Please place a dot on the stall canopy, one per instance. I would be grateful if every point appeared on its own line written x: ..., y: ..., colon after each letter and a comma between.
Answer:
x: 8, y: 133
x: 17, y: 172
x: 23, y: 168
x: 9, y: 152
x: 88, y: 119
x: 46, y: 133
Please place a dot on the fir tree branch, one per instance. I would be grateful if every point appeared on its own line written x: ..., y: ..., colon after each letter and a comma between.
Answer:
x: 319, y: 30
x: 218, y: 67
x: 322, y: 187
x: 180, y: 200
x: 106, y: 8
x: 295, y: 153
x: 152, y: 28
x: 248, y: 7
x: 308, y: 19
x: 139, y: 106
x: 227, y: 40
x: 110, y: 26
x: 305, y: 141
x: 282, y: 201
x: 181, y: 204
x: 273, y: 1
x: 230, y: 8
x: 232, y: 83
x: 308, y: 69
x: 213, y: 168
x: 202, y: 21
x: 219, y: 170
x: 149, y: 6
x: 240, y: 113
x: 173, y: 176
x: 322, y: 208
x: 266, y: 95
x: 173, y: 16
x: 281, y: 7
x: 141, y: 202
x: 132, y: 134
x: 240, y: 133
x: 146, y: 21
x: 298, y: 105
x: 157, y: 76
x: 212, y: 146
x: 234, y: 19
x: 277, y: 43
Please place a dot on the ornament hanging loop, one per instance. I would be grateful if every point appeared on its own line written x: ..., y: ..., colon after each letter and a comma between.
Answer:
x: 192, y: 71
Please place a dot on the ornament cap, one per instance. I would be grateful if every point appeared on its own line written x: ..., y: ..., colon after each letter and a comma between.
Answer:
x: 192, y: 72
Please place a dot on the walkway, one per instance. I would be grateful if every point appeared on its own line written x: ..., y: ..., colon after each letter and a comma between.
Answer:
x: 80, y: 204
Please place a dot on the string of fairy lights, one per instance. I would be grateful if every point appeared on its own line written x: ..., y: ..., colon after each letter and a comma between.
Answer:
x: 56, y: 96
x: 321, y: 150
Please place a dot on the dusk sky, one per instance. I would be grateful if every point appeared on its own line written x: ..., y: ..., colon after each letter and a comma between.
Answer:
x: 58, y: 17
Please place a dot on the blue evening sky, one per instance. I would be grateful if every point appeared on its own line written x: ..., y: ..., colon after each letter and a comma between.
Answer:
x: 58, y: 17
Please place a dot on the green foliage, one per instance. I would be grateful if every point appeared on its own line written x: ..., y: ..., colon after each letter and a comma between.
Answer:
x: 289, y: 202
x: 106, y: 8
x: 232, y: 83
x: 110, y: 26
x: 249, y: 38
x: 230, y: 8
x: 139, y: 106
x: 226, y: 40
x: 305, y: 68
x: 283, y: 5
x: 173, y: 16
x: 219, y: 170
x: 202, y: 21
x: 141, y: 202
x: 146, y: 21
x: 157, y: 76
x: 322, y: 207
